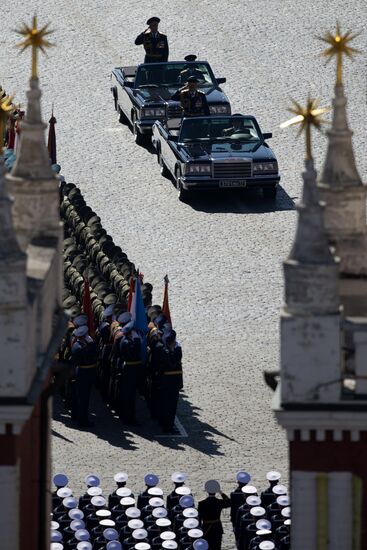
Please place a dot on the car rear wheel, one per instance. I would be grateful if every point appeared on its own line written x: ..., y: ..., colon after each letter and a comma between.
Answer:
x: 164, y: 170
x: 183, y: 194
x: 270, y: 192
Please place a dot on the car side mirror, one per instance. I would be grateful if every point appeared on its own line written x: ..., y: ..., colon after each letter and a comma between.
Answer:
x: 172, y: 138
x: 268, y: 135
x: 221, y: 80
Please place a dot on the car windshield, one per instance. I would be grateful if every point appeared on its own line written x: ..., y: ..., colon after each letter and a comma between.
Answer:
x: 173, y: 74
x: 221, y: 129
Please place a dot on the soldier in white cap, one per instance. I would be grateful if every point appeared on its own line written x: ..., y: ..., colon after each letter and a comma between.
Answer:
x: 245, y: 518
x: 150, y: 480
x: 130, y: 526
x: 138, y: 535
x: 256, y: 513
x: 60, y: 480
x: 200, y: 544
x: 282, y: 531
x: 178, y: 479
x: 164, y: 535
x: 91, y: 480
x: 267, y: 496
x: 210, y: 510
x: 282, y: 500
x: 186, y: 501
x: 101, y: 515
x: 237, y: 496
x: 121, y: 480
x: 248, y: 491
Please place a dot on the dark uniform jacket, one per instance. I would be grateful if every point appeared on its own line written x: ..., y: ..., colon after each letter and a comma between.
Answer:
x: 156, y: 47
x: 84, y: 353
x: 168, y: 366
x: 209, y: 514
x: 192, y: 103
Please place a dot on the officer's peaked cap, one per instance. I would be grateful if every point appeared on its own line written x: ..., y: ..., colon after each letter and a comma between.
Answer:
x: 190, y: 57
x: 81, y: 331
x: 153, y: 20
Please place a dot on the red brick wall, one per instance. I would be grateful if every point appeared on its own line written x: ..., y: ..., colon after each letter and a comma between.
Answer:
x: 26, y: 448
x: 333, y: 456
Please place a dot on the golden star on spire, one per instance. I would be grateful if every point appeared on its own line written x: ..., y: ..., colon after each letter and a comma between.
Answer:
x: 307, y: 117
x: 34, y: 38
x: 339, y: 47
x: 6, y: 109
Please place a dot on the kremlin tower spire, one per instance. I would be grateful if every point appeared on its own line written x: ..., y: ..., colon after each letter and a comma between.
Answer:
x: 343, y: 191
x: 32, y: 183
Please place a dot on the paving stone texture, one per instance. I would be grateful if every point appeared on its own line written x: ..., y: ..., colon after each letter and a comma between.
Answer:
x: 223, y: 253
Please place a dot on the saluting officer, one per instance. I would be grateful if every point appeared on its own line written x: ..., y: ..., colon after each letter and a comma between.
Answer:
x: 155, y: 43
x: 209, y: 513
x: 84, y: 354
x: 193, y: 101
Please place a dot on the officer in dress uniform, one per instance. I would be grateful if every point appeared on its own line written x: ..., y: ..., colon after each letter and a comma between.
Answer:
x: 237, y: 496
x: 84, y: 356
x: 193, y: 101
x: 190, y: 70
x: 155, y: 43
x: 170, y: 380
x: 209, y: 513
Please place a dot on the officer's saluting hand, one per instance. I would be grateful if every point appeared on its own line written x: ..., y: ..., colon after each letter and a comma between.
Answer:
x: 155, y: 43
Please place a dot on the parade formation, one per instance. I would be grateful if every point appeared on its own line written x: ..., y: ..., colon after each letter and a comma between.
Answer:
x: 116, y: 338
x: 119, y: 520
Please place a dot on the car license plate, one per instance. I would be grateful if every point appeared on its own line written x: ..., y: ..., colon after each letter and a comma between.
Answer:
x: 232, y: 183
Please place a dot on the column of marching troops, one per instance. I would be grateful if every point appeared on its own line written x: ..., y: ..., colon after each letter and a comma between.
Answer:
x: 149, y: 522
x: 120, y: 359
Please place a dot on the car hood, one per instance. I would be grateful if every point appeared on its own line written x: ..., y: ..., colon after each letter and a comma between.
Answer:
x: 159, y: 95
x: 226, y: 150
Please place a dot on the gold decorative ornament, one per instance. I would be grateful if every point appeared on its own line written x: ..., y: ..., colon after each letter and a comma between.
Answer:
x: 307, y: 117
x: 35, y: 39
x: 339, y: 46
x: 6, y: 109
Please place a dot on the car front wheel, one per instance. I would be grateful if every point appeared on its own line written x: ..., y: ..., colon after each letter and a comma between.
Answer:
x: 138, y: 137
x: 183, y: 194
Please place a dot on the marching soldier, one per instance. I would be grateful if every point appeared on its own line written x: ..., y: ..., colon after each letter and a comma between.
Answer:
x: 84, y: 356
x: 209, y: 513
x: 106, y: 344
x: 155, y: 43
x: 169, y: 379
x: 193, y: 101
x: 131, y: 360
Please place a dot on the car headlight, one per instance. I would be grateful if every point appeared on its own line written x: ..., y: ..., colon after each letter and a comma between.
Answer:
x: 259, y: 167
x: 155, y: 112
x: 223, y: 109
x: 199, y: 169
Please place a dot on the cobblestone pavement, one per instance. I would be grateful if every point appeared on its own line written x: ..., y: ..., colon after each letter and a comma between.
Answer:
x: 223, y: 253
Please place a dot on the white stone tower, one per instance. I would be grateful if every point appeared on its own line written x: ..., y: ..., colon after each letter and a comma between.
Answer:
x: 32, y: 183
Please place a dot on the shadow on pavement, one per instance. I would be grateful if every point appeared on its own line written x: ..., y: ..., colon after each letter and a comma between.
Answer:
x: 237, y: 201
x: 107, y: 426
